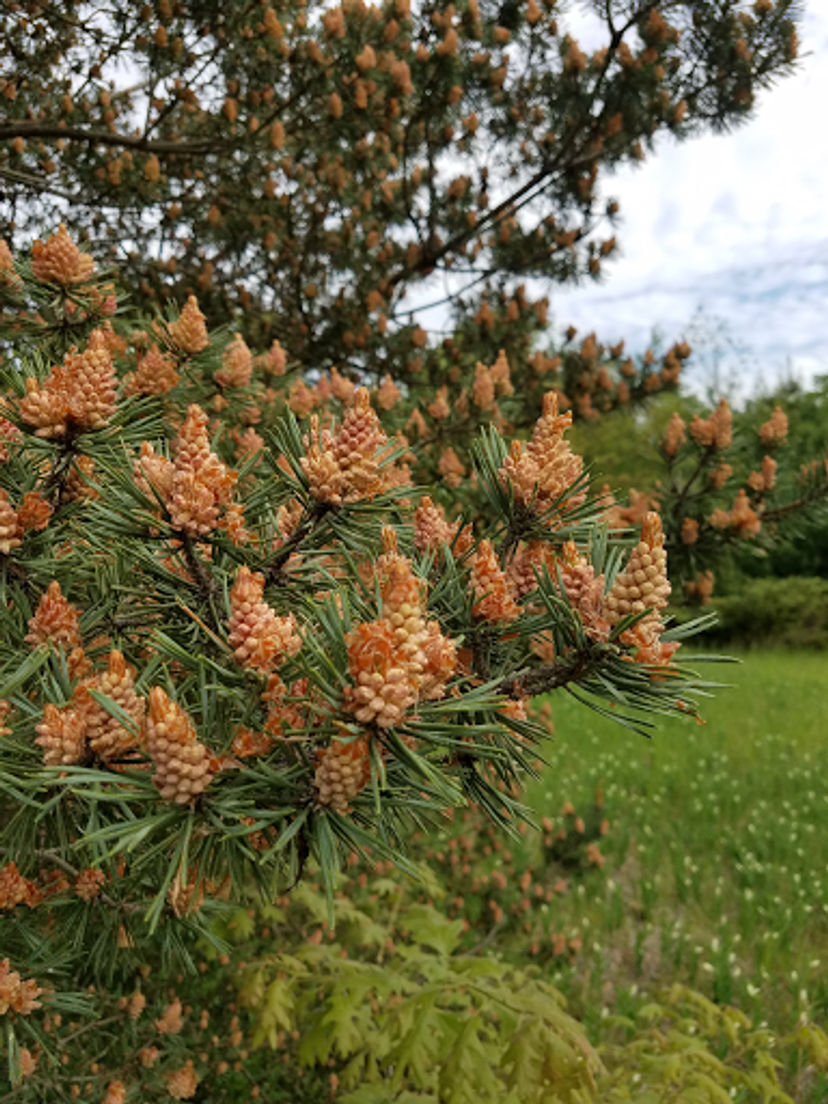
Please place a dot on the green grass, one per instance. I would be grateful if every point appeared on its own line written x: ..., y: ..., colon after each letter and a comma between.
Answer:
x: 716, y: 868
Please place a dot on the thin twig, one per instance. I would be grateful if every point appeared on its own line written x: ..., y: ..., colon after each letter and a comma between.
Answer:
x: 25, y: 128
x: 197, y: 567
x: 487, y: 939
x: 302, y: 531
x: 67, y: 868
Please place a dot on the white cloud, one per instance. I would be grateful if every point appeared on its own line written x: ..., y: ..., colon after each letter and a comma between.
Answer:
x: 736, y: 223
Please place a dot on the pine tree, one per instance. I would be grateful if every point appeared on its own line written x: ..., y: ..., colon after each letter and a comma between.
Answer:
x: 225, y: 655
x: 314, y: 176
x: 265, y: 609
x: 316, y: 172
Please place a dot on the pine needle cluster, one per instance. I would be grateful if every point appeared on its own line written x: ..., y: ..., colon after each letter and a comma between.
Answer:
x: 226, y: 654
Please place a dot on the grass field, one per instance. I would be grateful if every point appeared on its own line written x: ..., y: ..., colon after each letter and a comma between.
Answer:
x: 716, y: 870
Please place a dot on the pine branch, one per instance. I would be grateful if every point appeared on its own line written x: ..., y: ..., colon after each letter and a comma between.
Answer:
x: 24, y: 128
x: 67, y: 868
x: 307, y: 523
x: 198, y: 568
x: 573, y: 667
x: 808, y: 499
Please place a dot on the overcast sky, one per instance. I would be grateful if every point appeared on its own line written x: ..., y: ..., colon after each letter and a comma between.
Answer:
x: 736, y: 224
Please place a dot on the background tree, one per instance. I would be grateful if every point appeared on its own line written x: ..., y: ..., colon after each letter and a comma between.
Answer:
x: 324, y: 170
x: 742, y: 493
x: 322, y: 175
x: 802, y: 546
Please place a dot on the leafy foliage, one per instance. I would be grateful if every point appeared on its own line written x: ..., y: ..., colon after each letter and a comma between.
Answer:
x: 686, y: 1048
x: 422, y: 1019
x: 387, y: 1008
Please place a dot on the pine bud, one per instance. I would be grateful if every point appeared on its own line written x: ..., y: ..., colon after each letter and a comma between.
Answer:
x: 136, y: 1004
x: 674, y: 436
x: 35, y: 511
x: 77, y: 486
x: 106, y: 735
x: 15, y: 889
x: 115, y: 1093
x: 11, y: 529
x: 79, y: 394
x: 440, y: 653
x: 62, y: 735
x: 155, y: 374
x: 201, y: 483
x: 775, y: 429
x: 342, y: 771
x: 326, y: 480
x: 54, y: 620
x: 8, y: 277
x: 431, y: 530
x: 182, y: 1083
x: 689, y: 530
x: 714, y: 432
x: 90, y: 384
x: 643, y: 584
x: 260, y: 639
x: 59, y: 261
x: 189, y: 333
x: 488, y: 583
x: 182, y: 762
x: 377, y: 664
x: 546, y: 467
x: 171, y: 1022
x: 89, y: 882
x: 16, y: 993
x: 355, y: 449
x: 236, y: 364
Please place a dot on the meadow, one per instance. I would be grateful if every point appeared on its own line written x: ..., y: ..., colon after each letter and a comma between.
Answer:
x: 716, y: 858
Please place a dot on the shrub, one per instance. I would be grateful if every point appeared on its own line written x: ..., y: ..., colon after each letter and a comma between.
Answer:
x: 792, y: 612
